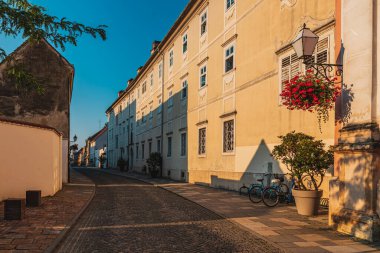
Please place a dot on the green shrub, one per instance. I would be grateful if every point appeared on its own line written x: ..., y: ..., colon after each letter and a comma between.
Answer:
x: 154, y: 163
x: 121, y: 163
x: 304, y: 157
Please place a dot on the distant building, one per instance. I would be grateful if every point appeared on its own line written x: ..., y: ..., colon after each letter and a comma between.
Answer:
x: 96, y: 147
x: 35, y: 127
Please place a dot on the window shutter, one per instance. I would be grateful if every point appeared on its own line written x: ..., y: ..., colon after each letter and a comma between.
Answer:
x: 322, y: 51
x: 295, y: 66
x: 285, y: 70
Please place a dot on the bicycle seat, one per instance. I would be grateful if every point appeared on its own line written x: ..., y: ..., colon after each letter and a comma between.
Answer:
x: 260, y: 180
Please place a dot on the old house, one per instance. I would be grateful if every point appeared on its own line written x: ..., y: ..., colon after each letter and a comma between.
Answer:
x: 23, y: 105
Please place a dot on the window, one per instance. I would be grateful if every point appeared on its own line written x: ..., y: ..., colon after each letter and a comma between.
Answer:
x: 151, y: 112
x: 159, y: 146
x: 184, y: 44
x: 137, y: 151
x: 228, y: 136
x: 150, y: 147
x: 169, y: 146
x: 229, y: 62
x: 184, y: 90
x: 204, y: 23
x: 159, y: 105
x: 143, y: 118
x: 117, y: 141
x: 291, y: 65
x: 160, y: 70
x: 151, y: 81
x: 144, y: 88
x: 142, y: 150
x: 203, y: 78
x: 229, y: 3
x: 202, y: 141
x: 183, y: 144
x: 170, y: 99
x: 171, y: 58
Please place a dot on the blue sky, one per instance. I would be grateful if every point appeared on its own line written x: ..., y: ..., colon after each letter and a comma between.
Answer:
x: 102, y: 68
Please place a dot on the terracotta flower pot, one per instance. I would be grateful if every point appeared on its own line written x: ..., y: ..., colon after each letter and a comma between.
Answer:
x: 307, y: 202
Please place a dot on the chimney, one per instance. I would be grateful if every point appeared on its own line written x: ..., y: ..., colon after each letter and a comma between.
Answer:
x: 139, y: 69
x: 155, y: 45
x: 120, y: 93
x: 130, y: 81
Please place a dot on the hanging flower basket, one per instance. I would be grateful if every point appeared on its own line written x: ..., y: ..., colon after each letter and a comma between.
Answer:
x: 308, y: 92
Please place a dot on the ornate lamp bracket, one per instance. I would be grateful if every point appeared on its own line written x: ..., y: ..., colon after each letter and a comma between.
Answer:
x: 325, y: 70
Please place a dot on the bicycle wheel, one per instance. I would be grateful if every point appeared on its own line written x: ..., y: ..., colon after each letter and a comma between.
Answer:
x: 307, y: 183
x: 255, y: 194
x: 270, y: 197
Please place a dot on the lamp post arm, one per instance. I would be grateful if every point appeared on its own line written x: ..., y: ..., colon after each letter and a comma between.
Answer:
x: 325, y: 70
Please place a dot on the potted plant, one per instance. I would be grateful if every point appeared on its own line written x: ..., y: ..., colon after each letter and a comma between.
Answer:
x: 307, y: 160
x: 154, y: 163
x: 308, y: 92
x: 121, y: 163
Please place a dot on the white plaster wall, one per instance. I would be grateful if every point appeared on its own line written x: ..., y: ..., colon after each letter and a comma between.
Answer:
x: 30, y: 160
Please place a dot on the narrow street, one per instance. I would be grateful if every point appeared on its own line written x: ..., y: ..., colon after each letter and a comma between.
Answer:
x: 130, y: 216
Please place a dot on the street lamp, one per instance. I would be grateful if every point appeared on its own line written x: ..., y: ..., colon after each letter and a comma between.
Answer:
x: 304, y: 45
x: 305, y: 42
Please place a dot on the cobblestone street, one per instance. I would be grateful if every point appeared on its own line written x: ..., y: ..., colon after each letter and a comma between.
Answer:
x: 130, y: 216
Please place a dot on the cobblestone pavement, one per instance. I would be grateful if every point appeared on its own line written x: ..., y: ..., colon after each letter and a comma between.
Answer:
x: 281, y: 225
x: 42, y: 225
x: 131, y: 216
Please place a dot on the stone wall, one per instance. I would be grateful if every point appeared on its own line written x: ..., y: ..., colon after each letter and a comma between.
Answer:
x: 54, y: 73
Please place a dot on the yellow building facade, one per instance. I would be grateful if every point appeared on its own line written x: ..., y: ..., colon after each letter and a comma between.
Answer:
x: 208, y: 97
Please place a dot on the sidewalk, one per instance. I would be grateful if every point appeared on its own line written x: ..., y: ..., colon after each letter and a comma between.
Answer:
x: 280, y: 225
x: 43, y: 225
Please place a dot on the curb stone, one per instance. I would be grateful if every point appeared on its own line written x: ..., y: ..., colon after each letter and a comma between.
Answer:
x: 219, y: 214
x: 71, y: 225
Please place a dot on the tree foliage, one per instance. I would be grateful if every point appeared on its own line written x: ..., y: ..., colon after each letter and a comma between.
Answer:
x: 303, y: 156
x: 20, y: 17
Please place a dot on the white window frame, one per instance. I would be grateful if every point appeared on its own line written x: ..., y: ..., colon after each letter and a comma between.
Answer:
x: 170, y: 99
x: 143, y: 88
x: 171, y: 58
x: 201, y: 69
x: 160, y: 70
x: 151, y: 112
x: 184, y: 89
x: 185, y: 44
x: 231, y: 54
x: 202, y: 21
x: 234, y: 136
x: 169, y: 152
x: 151, y: 81
x: 159, y: 109
x: 182, y: 144
x: 231, y: 3
x: 199, y: 141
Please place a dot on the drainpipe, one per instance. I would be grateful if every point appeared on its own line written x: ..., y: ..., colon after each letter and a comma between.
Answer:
x: 162, y: 109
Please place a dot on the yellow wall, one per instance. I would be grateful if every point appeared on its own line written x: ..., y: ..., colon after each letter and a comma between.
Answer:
x: 30, y: 160
x: 258, y: 28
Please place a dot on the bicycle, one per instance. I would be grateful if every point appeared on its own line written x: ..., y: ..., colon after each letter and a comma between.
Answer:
x: 256, y: 192
x: 252, y: 186
x: 271, y: 196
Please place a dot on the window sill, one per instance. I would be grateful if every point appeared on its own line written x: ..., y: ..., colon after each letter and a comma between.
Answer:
x: 229, y: 72
x: 228, y: 154
x: 203, y: 87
